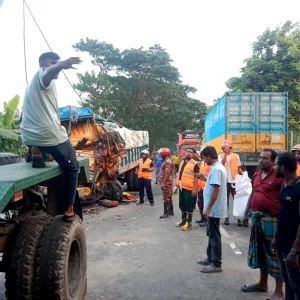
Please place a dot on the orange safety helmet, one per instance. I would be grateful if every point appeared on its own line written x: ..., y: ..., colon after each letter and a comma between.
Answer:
x: 227, y: 143
x: 164, y: 152
x: 296, y: 148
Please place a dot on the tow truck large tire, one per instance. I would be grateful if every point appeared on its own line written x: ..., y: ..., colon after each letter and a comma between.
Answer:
x: 62, y: 261
x: 20, y: 258
x: 9, y: 158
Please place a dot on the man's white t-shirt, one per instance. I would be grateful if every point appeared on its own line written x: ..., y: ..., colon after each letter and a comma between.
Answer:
x: 228, y: 169
x: 40, y: 124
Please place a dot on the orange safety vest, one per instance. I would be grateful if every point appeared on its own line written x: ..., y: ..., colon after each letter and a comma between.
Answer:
x: 146, y: 164
x: 204, y: 169
x: 298, y: 170
x: 234, y: 164
x: 188, y: 175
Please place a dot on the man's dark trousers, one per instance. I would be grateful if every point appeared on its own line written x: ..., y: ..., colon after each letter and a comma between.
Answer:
x: 214, y: 249
x: 145, y: 183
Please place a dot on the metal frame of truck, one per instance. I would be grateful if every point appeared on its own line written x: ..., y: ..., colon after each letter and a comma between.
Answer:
x: 44, y: 257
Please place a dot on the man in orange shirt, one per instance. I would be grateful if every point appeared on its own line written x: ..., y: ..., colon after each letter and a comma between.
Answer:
x: 231, y: 161
x: 296, y: 151
x: 204, y: 170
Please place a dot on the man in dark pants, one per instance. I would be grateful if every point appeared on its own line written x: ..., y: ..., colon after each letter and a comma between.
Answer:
x: 287, y: 240
x: 144, y: 173
x: 41, y: 126
x: 215, y: 207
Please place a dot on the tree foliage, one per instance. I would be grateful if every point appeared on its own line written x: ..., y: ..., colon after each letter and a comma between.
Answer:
x: 9, y: 121
x: 274, y: 67
x: 139, y: 88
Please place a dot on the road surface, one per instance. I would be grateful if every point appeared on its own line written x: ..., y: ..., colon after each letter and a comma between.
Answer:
x: 132, y: 254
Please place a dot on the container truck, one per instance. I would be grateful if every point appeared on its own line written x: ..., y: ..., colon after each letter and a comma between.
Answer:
x: 252, y: 121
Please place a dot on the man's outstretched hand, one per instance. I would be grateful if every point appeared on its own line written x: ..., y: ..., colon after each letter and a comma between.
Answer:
x: 68, y: 63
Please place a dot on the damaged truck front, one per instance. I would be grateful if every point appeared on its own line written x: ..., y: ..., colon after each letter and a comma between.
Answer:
x: 113, y: 151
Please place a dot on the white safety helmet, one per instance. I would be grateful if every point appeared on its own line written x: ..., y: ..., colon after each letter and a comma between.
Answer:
x: 145, y: 152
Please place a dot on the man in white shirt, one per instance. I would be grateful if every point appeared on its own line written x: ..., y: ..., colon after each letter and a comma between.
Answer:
x: 231, y: 161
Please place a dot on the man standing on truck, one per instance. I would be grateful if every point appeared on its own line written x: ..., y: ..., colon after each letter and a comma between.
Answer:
x: 40, y: 125
x: 231, y: 161
x: 296, y: 151
x: 165, y: 179
x: 187, y: 183
x: 263, y: 209
x: 144, y: 173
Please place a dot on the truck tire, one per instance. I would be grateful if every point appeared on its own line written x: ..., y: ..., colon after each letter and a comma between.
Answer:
x: 129, y: 180
x: 21, y: 258
x: 135, y: 181
x: 9, y: 158
x: 62, y: 261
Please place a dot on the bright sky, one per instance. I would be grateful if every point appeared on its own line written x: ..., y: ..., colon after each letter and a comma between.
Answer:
x: 208, y: 40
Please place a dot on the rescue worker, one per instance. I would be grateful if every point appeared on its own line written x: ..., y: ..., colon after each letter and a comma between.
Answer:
x: 144, y: 173
x: 231, y: 161
x: 157, y: 164
x: 187, y: 183
x: 204, y: 170
x: 175, y: 160
x: 165, y: 179
x: 296, y: 151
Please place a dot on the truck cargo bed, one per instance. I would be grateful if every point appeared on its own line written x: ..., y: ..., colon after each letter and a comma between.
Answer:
x: 252, y: 121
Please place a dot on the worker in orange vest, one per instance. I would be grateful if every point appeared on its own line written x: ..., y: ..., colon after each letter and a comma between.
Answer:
x: 204, y: 170
x: 187, y: 183
x: 296, y: 151
x: 144, y: 173
x: 231, y: 161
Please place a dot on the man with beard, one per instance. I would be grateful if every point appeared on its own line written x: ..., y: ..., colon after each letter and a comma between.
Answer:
x: 165, y: 179
x: 287, y: 241
x: 187, y: 183
x: 296, y: 151
x: 264, y: 209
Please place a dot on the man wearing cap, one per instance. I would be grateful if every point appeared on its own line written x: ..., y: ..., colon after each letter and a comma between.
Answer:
x: 144, y: 173
x: 296, y: 151
x: 231, y: 161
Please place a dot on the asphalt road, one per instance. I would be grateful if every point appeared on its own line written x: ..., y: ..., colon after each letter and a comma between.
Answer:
x: 132, y: 254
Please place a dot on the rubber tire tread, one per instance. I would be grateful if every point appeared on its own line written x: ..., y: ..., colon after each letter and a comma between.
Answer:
x: 53, y: 254
x: 129, y: 180
x: 135, y: 182
x: 21, y: 271
x: 9, y: 158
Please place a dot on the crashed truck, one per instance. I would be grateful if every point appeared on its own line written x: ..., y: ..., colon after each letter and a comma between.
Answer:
x: 113, y: 152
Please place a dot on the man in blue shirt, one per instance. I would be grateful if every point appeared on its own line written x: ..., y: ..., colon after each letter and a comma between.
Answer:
x: 157, y: 164
x: 215, y: 207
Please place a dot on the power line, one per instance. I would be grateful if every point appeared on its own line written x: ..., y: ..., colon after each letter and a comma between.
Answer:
x: 24, y: 2
x: 24, y: 41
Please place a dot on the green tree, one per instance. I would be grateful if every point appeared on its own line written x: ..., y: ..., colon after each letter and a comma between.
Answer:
x: 274, y: 67
x: 9, y: 120
x: 140, y: 89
